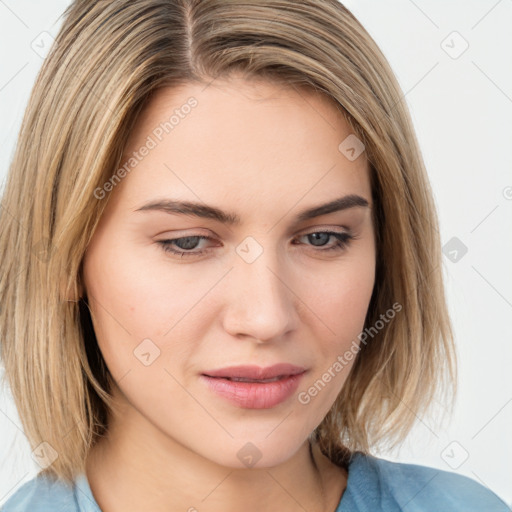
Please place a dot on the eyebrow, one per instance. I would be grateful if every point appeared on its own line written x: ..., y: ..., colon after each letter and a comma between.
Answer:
x: 211, y: 212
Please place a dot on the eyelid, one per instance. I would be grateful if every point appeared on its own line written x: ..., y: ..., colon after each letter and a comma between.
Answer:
x: 323, y: 229
x: 197, y: 232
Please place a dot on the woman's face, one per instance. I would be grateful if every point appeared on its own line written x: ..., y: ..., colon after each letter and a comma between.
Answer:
x: 255, y: 281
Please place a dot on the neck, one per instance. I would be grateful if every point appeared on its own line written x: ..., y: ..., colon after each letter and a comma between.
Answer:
x: 138, y: 467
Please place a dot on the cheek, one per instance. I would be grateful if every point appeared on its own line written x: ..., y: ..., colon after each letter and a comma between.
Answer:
x: 339, y: 297
x: 349, y: 303
x: 339, y: 300
x: 340, y: 308
x: 138, y: 309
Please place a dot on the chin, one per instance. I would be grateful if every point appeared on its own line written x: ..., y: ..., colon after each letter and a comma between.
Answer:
x: 252, y: 452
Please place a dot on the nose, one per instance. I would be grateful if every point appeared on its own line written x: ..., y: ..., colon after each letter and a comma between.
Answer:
x: 260, y: 303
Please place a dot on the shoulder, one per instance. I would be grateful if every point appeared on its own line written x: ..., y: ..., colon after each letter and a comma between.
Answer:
x: 42, y: 494
x: 416, y: 488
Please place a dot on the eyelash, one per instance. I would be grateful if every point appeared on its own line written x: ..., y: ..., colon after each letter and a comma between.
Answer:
x: 343, y: 240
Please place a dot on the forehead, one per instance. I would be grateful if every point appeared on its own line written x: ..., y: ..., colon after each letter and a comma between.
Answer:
x: 255, y: 139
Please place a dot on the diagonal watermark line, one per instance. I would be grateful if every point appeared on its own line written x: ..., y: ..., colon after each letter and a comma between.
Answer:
x: 20, y: 272
x: 484, y: 218
x: 313, y: 108
x: 167, y: 167
x: 280, y: 423
x: 216, y: 487
x: 5, y: 414
x: 414, y: 412
x: 402, y: 507
x: 13, y: 487
x: 121, y: 378
x: 59, y: 18
x: 70, y: 430
x: 425, y: 14
x: 85, y: 495
x: 199, y: 403
x: 13, y: 217
x: 208, y: 84
x: 284, y: 489
x: 14, y: 76
x: 497, y: 498
x: 492, y: 81
x: 301, y: 300
x: 13, y: 13
x: 493, y: 287
x: 419, y: 81
x: 410, y: 90
x: 192, y: 307
x: 485, y: 15
x: 501, y: 409
x: 481, y: 481
x: 301, y: 198
x: 92, y: 91
x: 111, y: 315
x: 182, y: 181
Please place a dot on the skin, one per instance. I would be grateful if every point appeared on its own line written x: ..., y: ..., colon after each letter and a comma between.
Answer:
x: 265, y: 152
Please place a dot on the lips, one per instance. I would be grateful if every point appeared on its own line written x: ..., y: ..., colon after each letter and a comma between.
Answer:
x: 255, y: 373
x: 252, y: 387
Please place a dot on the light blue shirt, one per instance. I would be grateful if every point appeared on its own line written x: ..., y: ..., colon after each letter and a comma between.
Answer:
x: 373, y: 485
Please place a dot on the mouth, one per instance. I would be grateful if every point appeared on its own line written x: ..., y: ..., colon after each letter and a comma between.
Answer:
x: 258, y: 381
x: 245, y: 373
x: 252, y: 387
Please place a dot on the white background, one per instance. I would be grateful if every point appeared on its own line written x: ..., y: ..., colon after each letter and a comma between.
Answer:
x: 461, y: 106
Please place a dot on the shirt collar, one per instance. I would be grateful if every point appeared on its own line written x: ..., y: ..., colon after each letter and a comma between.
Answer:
x: 83, y: 495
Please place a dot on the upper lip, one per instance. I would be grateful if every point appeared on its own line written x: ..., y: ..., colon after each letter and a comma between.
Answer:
x: 257, y: 372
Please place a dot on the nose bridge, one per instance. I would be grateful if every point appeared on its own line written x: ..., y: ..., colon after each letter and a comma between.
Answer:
x: 261, y: 305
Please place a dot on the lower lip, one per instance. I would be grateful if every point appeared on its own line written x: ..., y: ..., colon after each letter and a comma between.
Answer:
x: 255, y: 395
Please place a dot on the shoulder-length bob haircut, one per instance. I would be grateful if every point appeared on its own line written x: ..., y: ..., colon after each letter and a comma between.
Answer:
x: 106, y: 61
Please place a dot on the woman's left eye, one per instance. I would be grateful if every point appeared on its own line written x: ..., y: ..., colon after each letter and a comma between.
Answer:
x: 184, y: 246
x: 342, y: 239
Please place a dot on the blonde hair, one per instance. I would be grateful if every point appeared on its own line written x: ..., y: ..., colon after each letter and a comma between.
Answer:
x: 107, y: 60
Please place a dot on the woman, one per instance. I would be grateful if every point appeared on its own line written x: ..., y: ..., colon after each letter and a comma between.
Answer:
x: 231, y: 289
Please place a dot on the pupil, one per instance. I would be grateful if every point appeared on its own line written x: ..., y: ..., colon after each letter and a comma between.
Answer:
x: 188, y: 242
x: 319, y: 237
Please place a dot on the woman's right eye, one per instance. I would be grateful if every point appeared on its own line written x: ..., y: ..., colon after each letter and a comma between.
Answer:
x: 184, y: 244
